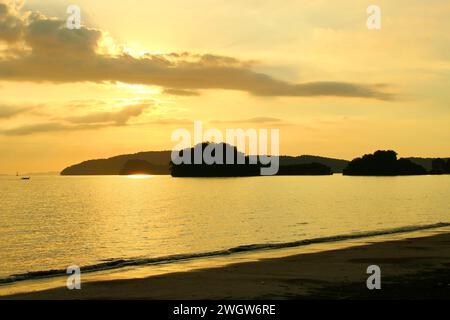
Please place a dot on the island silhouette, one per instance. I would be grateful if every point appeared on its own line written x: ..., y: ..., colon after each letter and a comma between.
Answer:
x: 440, y: 166
x: 250, y: 166
x: 382, y: 163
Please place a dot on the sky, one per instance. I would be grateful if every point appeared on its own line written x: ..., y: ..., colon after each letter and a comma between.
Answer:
x: 138, y: 70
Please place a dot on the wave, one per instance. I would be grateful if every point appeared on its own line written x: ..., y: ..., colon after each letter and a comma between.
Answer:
x: 120, y: 263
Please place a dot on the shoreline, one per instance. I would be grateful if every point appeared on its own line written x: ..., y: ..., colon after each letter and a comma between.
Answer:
x: 409, y: 264
x: 120, y: 264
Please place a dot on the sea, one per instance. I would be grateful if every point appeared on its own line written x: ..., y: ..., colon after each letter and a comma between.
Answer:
x: 99, y: 223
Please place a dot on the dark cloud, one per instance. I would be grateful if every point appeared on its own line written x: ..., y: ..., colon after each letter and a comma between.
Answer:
x: 11, y: 27
x: 62, y: 55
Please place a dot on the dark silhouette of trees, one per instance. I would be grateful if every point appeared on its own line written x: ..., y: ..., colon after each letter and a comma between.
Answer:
x: 248, y: 165
x: 447, y: 166
x: 439, y: 166
x: 406, y: 167
x: 382, y: 163
x: 219, y: 169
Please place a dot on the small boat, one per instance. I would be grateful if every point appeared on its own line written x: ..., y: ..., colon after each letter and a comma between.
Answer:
x: 22, y: 178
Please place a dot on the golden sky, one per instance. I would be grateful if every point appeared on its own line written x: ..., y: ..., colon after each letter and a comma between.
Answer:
x: 137, y: 70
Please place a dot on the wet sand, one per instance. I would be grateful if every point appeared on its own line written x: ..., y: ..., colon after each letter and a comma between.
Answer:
x: 412, y: 268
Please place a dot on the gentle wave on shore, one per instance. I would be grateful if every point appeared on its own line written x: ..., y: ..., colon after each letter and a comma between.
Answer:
x: 121, y: 263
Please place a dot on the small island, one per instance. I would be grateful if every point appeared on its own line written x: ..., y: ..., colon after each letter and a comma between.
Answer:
x: 247, y: 167
x: 383, y: 163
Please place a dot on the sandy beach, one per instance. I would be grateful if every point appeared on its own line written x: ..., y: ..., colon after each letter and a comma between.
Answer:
x: 410, y: 268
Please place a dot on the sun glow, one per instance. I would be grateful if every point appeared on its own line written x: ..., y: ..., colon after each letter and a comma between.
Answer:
x: 137, y: 88
x: 140, y: 176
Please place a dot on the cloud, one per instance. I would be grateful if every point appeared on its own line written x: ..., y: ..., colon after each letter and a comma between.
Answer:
x: 11, y: 26
x: 47, y: 127
x: 181, y: 92
x: 187, y: 122
x: 57, y: 54
x: 95, y: 120
x: 256, y: 120
x: 35, y: 128
x: 119, y: 117
x: 8, y: 111
x: 168, y: 121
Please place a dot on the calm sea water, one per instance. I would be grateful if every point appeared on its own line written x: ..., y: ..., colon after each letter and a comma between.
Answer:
x: 52, y: 222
